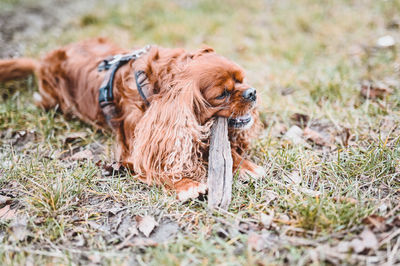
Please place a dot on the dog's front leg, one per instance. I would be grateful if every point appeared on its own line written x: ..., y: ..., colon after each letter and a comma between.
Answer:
x: 189, y: 189
x: 246, y: 168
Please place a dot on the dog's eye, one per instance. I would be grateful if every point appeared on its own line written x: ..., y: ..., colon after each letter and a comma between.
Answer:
x: 223, y: 95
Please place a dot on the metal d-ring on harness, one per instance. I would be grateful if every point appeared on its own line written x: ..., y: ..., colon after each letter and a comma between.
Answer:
x: 106, y: 96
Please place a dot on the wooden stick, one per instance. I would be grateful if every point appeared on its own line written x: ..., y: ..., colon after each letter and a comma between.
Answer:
x: 220, y: 166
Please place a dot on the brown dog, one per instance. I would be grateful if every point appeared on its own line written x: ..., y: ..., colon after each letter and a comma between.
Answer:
x: 163, y: 129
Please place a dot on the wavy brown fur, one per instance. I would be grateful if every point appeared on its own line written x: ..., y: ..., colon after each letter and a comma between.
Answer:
x: 166, y: 142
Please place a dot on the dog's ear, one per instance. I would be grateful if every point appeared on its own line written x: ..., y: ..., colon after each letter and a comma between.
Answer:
x: 168, y: 138
x: 204, y: 50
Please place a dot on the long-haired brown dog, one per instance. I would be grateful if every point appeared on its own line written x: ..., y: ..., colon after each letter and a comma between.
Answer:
x: 163, y: 136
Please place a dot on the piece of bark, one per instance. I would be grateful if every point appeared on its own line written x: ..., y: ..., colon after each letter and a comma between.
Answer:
x: 220, y: 166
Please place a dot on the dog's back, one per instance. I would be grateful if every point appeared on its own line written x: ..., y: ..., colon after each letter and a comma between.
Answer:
x: 67, y: 77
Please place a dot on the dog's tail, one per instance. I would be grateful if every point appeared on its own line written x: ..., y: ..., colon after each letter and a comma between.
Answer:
x: 17, y: 68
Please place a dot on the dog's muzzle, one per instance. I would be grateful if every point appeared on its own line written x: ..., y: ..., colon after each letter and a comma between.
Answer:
x: 241, y: 122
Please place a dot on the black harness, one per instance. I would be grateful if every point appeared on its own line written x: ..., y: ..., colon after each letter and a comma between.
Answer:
x: 106, y: 96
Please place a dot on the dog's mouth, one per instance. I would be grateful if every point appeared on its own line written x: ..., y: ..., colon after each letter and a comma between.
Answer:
x: 241, y: 122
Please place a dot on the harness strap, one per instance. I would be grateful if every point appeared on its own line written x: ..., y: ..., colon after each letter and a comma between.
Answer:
x: 106, y: 96
x: 140, y: 77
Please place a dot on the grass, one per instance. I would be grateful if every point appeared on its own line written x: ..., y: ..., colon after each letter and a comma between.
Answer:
x: 318, y: 51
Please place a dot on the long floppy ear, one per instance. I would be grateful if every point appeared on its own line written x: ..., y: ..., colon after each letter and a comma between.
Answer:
x: 168, y: 138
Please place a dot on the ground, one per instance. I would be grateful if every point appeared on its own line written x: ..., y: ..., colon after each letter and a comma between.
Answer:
x: 328, y: 76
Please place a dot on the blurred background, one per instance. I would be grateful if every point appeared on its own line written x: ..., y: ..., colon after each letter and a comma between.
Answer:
x: 317, y: 50
x: 328, y: 73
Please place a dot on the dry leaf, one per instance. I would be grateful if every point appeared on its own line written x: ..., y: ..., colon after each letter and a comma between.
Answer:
x: 109, y: 169
x: 369, y: 239
x: 301, y: 120
x: 126, y: 227
x: 146, y: 224
x: 366, y: 240
x: 95, y: 258
x: 141, y: 242
x: 286, y: 91
x: 19, y: 230
x: 377, y: 223
x: 4, y: 199
x: 78, y: 240
x: 315, y: 137
x: 165, y: 231
x: 269, y: 196
x: 73, y: 136
x: 6, y: 213
x: 345, y: 199
x: 375, y: 90
x: 266, y: 219
x: 294, y: 135
x: 261, y: 241
x: 255, y: 242
x: 82, y: 155
x: 22, y: 137
x: 310, y: 192
x: 294, y: 178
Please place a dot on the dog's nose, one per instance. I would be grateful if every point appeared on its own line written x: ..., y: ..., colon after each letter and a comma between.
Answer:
x: 250, y: 94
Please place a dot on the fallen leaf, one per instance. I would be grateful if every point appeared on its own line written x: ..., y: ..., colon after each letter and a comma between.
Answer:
x: 393, y: 24
x: 146, y: 224
x: 374, y: 90
x: 73, y: 136
x: 310, y: 192
x: 141, y: 242
x: 98, y: 227
x: 165, y: 231
x: 294, y: 135
x: 82, y: 155
x: 365, y: 241
x: 19, y: 230
x: 345, y: 199
x: 109, y: 169
x: 246, y: 227
x: 287, y: 91
x: 269, y: 196
x: 78, y: 240
x: 315, y: 137
x: 301, y: 120
x: 276, y: 130
x: 6, y: 213
x: 5, y: 200
x: 255, y: 242
x: 357, y: 245
x: 369, y: 239
x: 294, y: 178
x: 258, y: 242
x: 22, y: 137
x: 95, y: 258
x: 266, y: 219
x: 127, y: 227
x: 377, y: 223
x: 283, y: 218
x: 343, y: 246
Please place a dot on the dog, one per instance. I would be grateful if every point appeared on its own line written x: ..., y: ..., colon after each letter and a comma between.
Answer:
x: 161, y: 104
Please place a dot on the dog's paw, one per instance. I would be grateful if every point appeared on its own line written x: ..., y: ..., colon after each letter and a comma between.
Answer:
x: 189, y: 189
x: 37, y: 99
x: 256, y: 173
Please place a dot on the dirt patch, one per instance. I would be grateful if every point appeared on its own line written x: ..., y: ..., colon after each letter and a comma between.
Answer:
x: 26, y: 21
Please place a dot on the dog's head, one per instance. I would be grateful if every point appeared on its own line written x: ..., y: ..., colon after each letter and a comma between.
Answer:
x: 193, y: 88
x: 223, y: 88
